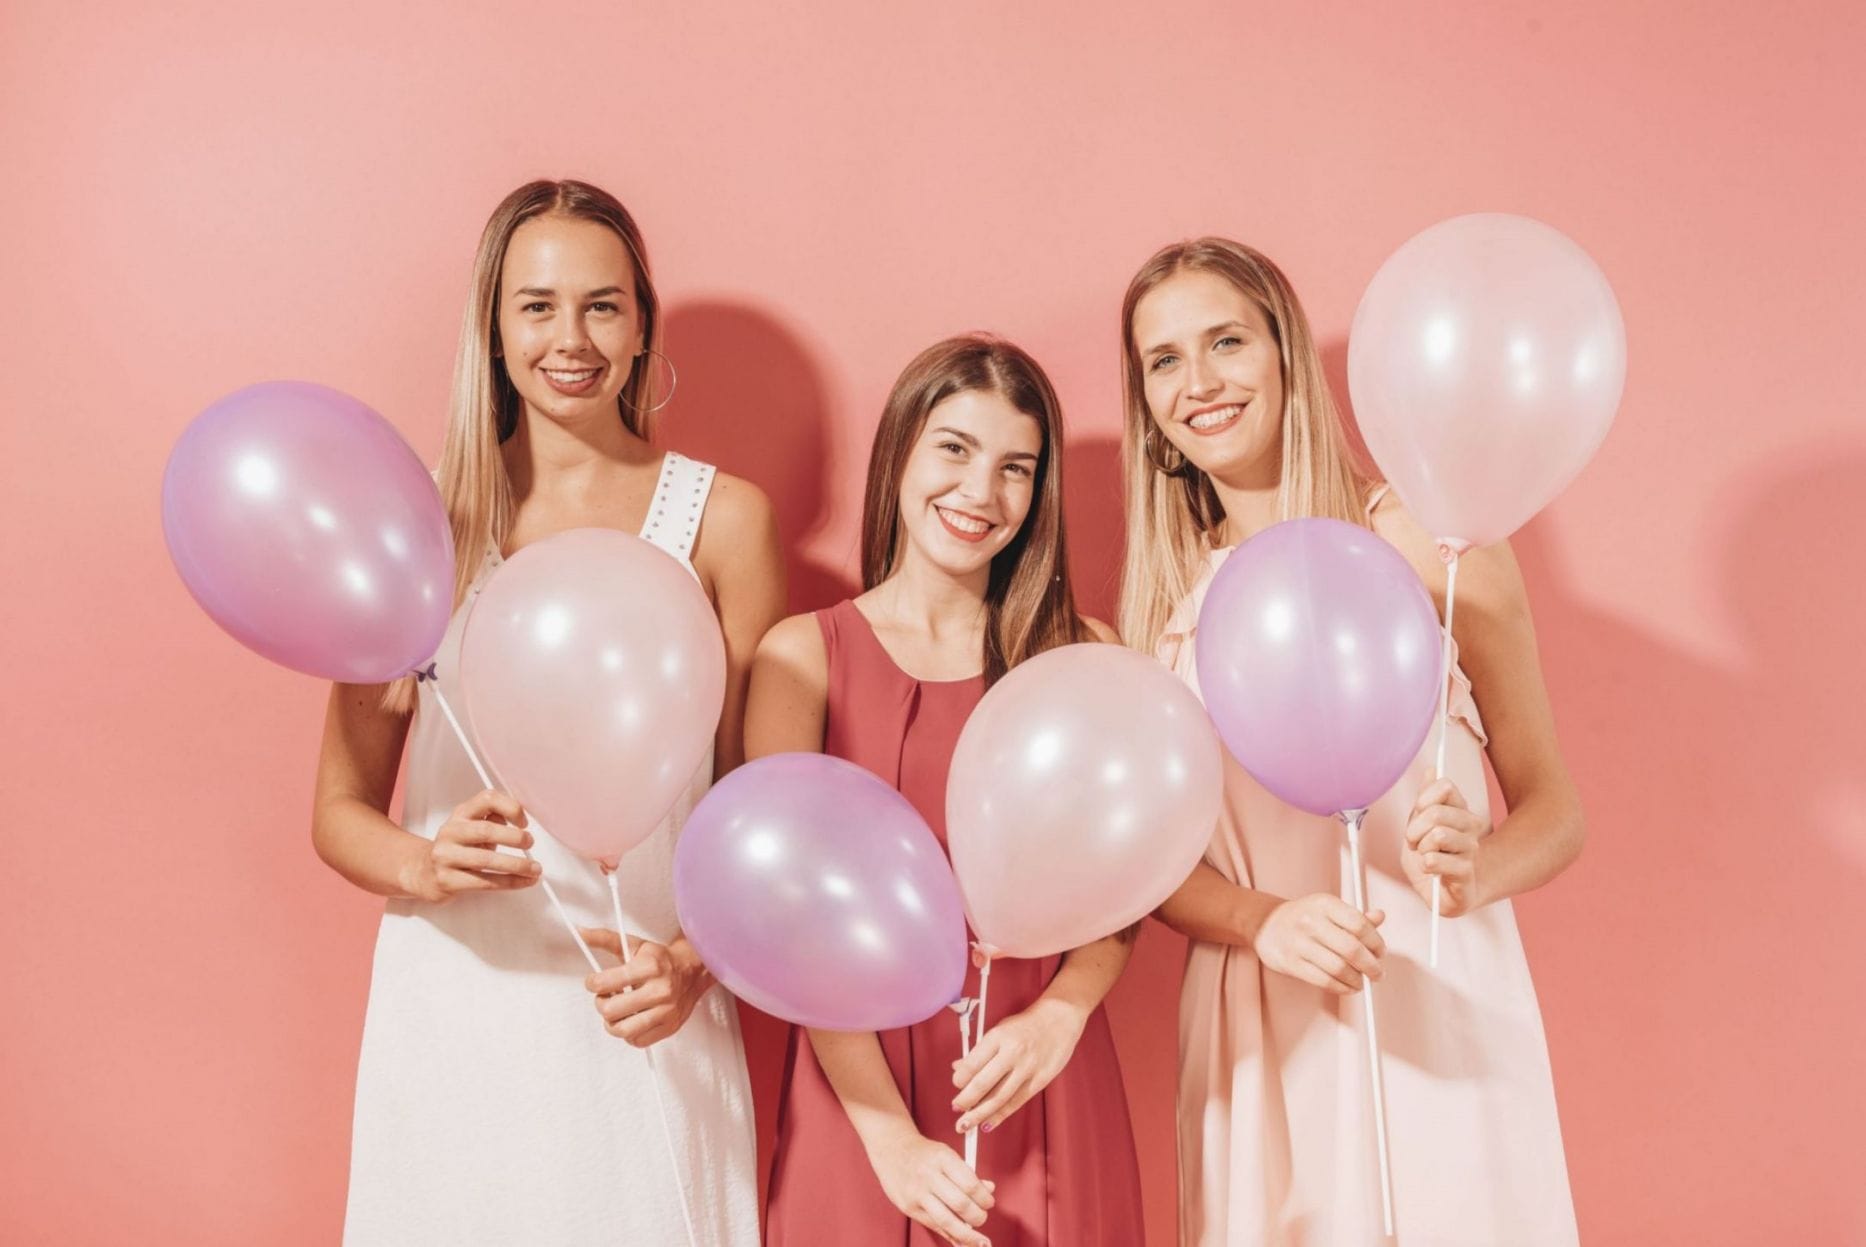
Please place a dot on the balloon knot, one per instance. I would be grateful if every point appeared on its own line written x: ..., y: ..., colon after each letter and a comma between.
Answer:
x: 429, y: 672
x: 983, y: 952
x: 1450, y: 549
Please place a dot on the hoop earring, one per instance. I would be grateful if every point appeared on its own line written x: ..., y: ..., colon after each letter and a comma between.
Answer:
x: 1149, y: 446
x: 673, y: 381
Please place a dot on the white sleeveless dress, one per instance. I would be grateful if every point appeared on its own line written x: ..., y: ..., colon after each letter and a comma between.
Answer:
x: 491, y: 1105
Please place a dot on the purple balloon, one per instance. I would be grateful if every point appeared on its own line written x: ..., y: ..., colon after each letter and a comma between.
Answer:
x: 1319, y: 659
x: 818, y: 894
x: 307, y: 528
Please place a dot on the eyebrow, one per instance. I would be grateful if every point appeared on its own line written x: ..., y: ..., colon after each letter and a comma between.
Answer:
x: 547, y: 292
x: 974, y: 443
x: 1167, y: 346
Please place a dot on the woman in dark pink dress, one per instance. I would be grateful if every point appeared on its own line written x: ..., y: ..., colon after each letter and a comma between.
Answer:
x: 965, y: 573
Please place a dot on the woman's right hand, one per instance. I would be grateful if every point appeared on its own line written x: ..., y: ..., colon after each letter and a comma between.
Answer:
x: 931, y: 1184
x: 464, y: 857
x: 1321, y: 939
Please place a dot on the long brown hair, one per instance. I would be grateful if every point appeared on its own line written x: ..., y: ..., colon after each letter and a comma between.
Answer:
x: 1172, y: 516
x: 1029, y: 604
x: 485, y: 408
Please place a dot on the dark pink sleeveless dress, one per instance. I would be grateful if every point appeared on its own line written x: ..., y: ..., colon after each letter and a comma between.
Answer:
x: 1064, y: 1163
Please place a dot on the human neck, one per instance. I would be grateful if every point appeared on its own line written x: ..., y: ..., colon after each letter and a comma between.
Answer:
x: 545, y: 456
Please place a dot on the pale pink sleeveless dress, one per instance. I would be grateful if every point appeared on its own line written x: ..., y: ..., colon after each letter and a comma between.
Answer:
x: 1276, y: 1136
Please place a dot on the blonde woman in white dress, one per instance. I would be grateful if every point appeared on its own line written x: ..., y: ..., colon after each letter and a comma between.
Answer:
x: 493, y: 1104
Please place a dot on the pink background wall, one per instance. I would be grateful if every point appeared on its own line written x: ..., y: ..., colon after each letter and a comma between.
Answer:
x: 196, y: 199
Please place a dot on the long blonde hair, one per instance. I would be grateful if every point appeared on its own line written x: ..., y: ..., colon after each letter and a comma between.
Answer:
x: 1172, y: 517
x: 485, y: 408
x: 1029, y: 604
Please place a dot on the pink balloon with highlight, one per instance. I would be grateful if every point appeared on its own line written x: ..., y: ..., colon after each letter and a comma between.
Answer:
x: 594, y: 673
x: 1486, y: 363
x: 1083, y: 790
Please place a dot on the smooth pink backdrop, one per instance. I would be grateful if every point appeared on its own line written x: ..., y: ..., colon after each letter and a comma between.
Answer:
x: 200, y: 195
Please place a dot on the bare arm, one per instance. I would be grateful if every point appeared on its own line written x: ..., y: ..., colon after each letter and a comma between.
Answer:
x: 787, y: 704
x: 785, y: 712
x: 1544, y: 829
x: 354, y: 835
x: 738, y: 557
x: 1209, y: 907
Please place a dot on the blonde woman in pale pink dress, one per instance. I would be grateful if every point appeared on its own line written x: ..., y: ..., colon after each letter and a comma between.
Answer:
x: 1229, y: 429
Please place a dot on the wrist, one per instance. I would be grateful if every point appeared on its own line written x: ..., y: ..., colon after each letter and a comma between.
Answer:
x: 1251, y: 913
x: 414, y: 878
x: 687, y: 958
x: 1480, y: 894
x: 1067, y: 1010
x: 882, y: 1132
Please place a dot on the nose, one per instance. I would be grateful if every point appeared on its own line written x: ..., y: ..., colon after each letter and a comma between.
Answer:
x: 975, y: 486
x: 571, y: 334
x: 1202, y: 380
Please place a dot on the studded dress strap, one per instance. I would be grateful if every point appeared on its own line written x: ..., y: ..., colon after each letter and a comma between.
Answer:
x: 680, y: 496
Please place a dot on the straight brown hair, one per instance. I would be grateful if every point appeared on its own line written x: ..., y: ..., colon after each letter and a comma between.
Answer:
x: 1030, y: 606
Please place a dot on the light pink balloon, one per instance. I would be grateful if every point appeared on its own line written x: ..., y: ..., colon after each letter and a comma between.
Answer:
x: 594, y: 673
x: 1486, y: 363
x: 1083, y: 791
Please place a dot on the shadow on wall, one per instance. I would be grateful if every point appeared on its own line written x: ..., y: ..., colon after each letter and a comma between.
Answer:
x: 750, y: 399
x: 1710, y: 932
x: 1092, y: 507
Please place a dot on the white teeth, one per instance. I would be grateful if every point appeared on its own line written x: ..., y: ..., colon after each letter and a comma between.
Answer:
x: 1213, y: 418
x: 964, y: 523
x: 571, y: 378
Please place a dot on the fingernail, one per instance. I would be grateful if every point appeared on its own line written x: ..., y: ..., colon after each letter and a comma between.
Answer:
x: 987, y: 1128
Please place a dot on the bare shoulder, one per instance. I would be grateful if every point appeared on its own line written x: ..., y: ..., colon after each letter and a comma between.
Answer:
x: 737, y: 511
x: 796, y: 646
x: 1101, y: 631
x: 1487, y: 575
x: 738, y: 529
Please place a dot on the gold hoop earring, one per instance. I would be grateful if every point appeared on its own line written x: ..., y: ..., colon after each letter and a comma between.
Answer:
x: 1149, y: 443
x: 673, y: 380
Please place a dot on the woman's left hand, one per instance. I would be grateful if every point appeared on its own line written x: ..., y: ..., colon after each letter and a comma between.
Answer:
x: 1442, y: 842
x: 1016, y: 1059
x: 651, y: 996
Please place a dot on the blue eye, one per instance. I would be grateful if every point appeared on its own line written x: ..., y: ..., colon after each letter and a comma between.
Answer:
x: 1233, y: 340
x: 1163, y: 360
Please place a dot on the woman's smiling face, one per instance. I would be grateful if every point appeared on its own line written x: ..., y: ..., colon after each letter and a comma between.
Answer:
x: 969, y: 480
x: 1213, y: 374
x: 570, y: 329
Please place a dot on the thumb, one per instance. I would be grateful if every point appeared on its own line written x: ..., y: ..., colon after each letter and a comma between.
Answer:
x: 1376, y: 916
x: 603, y: 938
